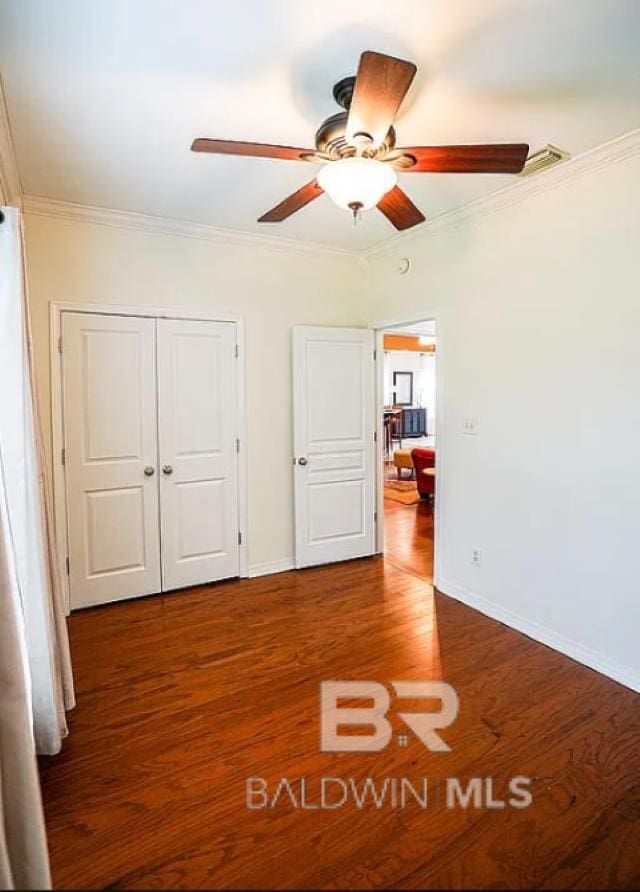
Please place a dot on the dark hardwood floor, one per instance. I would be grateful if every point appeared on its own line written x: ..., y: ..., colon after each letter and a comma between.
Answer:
x: 182, y: 697
x: 409, y: 537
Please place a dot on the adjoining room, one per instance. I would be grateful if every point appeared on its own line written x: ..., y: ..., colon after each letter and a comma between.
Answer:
x: 409, y: 423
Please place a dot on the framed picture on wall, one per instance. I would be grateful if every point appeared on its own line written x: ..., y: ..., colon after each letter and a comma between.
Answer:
x: 403, y: 388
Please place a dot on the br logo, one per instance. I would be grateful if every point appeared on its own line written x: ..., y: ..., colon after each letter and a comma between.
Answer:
x: 423, y: 724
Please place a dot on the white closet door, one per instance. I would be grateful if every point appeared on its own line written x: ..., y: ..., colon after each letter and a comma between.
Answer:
x: 333, y: 412
x: 109, y: 384
x: 197, y: 382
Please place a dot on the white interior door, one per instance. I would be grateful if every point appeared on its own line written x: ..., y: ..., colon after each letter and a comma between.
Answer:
x: 109, y: 386
x: 197, y: 424
x: 333, y: 440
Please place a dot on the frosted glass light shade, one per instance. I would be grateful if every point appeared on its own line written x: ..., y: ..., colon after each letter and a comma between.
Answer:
x: 360, y: 181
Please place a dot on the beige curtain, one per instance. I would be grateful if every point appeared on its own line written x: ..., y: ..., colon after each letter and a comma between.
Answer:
x: 50, y: 727
x: 29, y: 504
x: 35, y: 669
x: 24, y: 862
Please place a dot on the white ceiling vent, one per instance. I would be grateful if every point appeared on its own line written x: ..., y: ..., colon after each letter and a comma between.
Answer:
x: 545, y: 158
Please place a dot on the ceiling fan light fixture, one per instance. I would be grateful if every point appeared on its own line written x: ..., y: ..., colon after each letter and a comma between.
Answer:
x: 364, y: 130
x: 359, y: 182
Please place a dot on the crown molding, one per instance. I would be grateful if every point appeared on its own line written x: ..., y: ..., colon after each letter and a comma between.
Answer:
x: 618, y: 149
x: 10, y: 185
x: 50, y: 207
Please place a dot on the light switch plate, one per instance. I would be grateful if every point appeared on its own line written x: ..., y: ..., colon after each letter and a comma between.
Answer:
x: 470, y: 426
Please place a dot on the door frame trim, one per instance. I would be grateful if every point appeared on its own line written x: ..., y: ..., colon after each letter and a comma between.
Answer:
x: 379, y: 329
x: 56, y: 309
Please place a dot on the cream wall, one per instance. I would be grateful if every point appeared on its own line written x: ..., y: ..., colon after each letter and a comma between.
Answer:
x: 538, y: 310
x: 273, y: 290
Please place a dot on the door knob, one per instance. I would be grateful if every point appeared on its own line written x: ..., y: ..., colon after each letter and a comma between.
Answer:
x: 149, y: 470
x: 302, y: 461
x: 167, y: 469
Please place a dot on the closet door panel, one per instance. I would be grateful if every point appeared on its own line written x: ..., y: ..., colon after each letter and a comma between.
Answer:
x: 110, y: 412
x: 197, y: 381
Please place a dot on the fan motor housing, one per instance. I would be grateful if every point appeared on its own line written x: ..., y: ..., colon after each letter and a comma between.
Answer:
x: 330, y: 136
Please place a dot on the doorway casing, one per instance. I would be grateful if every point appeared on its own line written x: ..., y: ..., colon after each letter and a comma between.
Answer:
x: 379, y: 329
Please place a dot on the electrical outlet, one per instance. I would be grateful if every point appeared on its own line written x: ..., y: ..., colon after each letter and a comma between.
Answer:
x: 470, y: 426
x: 476, y: 556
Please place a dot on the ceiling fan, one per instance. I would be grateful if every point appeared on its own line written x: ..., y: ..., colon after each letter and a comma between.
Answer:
x: 357, y: 147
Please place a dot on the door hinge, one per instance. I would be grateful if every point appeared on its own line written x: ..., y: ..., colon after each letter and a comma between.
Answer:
x: 63, y: 456
x: 68, y: 571
x: 239, y: 538
x: 237, y: 351
x: 375, y: 436
x: 60, y: 344
x: 375, y: 354
x: 237, y: 444
x: 375, y: 517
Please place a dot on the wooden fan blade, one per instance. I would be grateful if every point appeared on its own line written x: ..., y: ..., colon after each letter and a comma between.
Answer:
x: 250, y: 149
x: 399, y: 209
x: 381, y: 84
x: 499, y: 158
x: 292, y: 203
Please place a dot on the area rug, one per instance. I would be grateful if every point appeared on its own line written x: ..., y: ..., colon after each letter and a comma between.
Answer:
x: 404, y: 491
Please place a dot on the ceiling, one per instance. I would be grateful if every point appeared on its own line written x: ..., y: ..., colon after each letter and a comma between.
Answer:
x: 105, y: 96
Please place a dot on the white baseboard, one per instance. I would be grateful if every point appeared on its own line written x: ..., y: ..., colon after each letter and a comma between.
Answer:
x: 270, y: 567
x: 594, y: 659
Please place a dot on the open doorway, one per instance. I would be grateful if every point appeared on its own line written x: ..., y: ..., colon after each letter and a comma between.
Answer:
x: 407, y: 477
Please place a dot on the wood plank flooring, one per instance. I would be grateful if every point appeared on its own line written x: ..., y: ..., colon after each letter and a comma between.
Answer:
x: 181, y: 697
x: 409, y: 537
